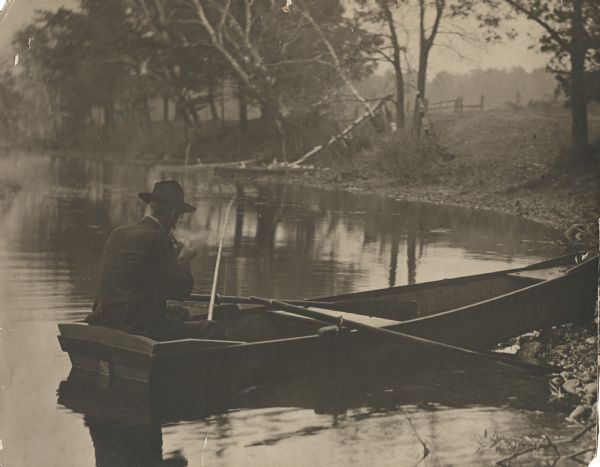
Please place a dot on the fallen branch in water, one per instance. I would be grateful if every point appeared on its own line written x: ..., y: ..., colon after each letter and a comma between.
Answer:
x: 340, y: 135
x: 550, y: 444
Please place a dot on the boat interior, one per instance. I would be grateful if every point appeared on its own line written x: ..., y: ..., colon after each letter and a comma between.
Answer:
x: 380, y: 308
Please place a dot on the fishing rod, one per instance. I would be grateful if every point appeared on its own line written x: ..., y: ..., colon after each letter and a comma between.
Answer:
x: 213, y: 292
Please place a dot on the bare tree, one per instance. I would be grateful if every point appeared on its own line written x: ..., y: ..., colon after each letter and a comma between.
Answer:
x: 389, y: 47
x: 427, y: 37
x: 572, y: 35
x: 395, y: 60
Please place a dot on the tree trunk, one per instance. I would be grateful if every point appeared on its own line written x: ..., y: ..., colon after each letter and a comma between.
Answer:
x: 223, y: 105
x: 425, y: 44
x: 265, y: 113
x: 211, y: 100
x: 397, y: 65
x: 421, y: 83
x: 239, y: 220
x: 422, y: 76
x: 279, y: 125
x: 108, y: 114
x: 399, y: 99
x: 166, y: 110
x: 579, y: 124
x: 243, y: 107
x: 395, y: 243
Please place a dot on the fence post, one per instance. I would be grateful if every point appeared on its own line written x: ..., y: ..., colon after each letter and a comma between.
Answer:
x: 460, y: 104
x: 481, y: 101
x: 456, y: 105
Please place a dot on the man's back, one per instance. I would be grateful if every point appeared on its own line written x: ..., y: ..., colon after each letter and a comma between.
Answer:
x: 139, y: 273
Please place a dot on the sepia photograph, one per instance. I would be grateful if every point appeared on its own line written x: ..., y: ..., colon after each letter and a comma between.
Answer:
x: 299, y: 233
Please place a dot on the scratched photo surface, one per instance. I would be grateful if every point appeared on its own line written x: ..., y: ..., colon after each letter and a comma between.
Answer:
x: 329, y: 148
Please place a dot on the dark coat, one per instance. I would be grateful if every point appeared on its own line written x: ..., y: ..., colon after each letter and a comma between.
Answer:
x: 139, y: 273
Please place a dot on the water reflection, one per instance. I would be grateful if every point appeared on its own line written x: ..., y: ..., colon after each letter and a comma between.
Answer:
x: 330, y: 412
x: 126, y: 446
x: 336, y: 242
x: 282, y: 241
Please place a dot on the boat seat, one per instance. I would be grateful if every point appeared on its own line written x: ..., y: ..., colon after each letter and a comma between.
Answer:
x: 368, y: 320
x: 540, y: 274
x: 382, y: 307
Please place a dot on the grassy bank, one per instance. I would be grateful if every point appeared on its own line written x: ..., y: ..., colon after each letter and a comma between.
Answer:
x: 510, y: 161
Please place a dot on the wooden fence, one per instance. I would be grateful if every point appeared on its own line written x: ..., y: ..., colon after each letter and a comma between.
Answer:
x: 453, y: 105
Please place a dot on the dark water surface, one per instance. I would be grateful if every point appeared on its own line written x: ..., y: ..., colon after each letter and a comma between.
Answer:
x: 282, y: 241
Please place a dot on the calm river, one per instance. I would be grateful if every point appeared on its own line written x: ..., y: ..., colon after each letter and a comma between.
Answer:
x: 283, y: 241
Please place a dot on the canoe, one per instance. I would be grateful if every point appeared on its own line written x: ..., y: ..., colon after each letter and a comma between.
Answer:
x: 474, y: 312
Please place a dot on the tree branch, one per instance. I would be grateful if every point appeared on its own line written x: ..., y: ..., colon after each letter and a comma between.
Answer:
x: 439, y: 10
x: 530, y: 14
x: 336, y: 61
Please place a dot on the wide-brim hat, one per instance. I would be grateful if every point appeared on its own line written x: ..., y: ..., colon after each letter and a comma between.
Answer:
x: 167, y: 192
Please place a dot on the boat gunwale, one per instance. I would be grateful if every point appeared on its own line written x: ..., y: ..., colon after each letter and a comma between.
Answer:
x: 498, y: 297
x: 560, y: 260
x: 474, y: 306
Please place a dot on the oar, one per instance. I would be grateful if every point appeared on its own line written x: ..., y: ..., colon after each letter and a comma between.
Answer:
x: 384, y: 308
x: 311, y: 313
x: 219, y: 299
x: 298, y: 307
x: 216, y: 275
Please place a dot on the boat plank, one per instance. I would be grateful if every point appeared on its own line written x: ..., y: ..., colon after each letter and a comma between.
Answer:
x: 190, y: 345
x: 363, y: 319
x: 541, y: 274
x: 108, y: 336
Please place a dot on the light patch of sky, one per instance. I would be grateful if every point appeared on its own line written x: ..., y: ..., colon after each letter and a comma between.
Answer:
x: 460, y: 45
x: 2, y: 3
x: 456, y: 55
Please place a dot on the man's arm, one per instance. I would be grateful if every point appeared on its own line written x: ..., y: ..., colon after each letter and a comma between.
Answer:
x: 174, y: 277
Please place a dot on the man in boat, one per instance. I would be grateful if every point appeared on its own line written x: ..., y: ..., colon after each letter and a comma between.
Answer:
x: 143, y: 266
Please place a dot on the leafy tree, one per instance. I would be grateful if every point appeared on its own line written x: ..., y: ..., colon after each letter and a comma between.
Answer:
x: 571, y: 33
x: 82, y: 60
x: 271, y: 53
x: 10, y: 103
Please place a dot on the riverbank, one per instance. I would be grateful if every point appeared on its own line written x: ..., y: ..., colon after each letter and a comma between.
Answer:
x: 511, y: 162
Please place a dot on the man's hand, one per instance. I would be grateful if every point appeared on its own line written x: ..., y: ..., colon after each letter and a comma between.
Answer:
x: 186, y: 254
x: 177, y: 245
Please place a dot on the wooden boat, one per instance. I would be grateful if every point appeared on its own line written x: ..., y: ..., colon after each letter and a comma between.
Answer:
x: 474, y: 312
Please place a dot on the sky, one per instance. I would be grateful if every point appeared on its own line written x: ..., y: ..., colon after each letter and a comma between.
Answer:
x: 457, y: 57
x: 507, y: 54
x: 16, y: 14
